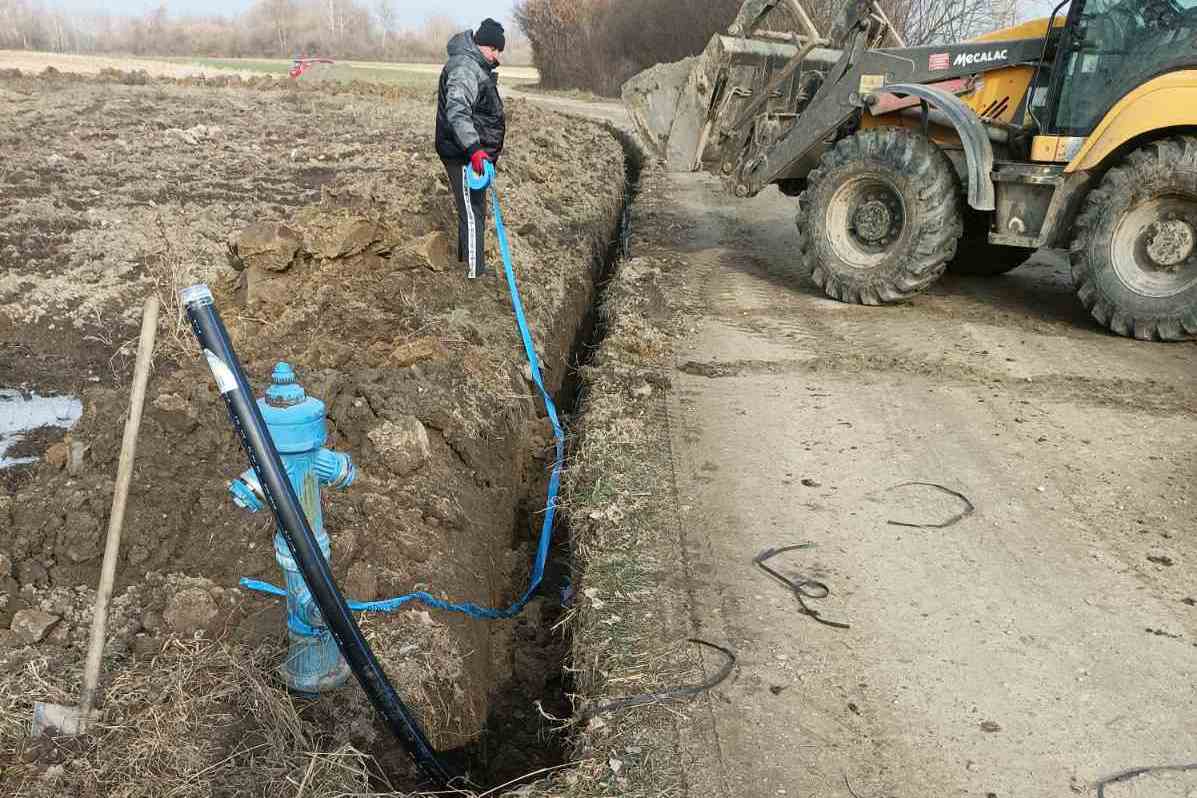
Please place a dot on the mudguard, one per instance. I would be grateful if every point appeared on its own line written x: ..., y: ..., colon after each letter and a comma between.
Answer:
x: 978, y: 149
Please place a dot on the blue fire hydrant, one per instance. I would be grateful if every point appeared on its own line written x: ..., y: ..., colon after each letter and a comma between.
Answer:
x: 297, y: 424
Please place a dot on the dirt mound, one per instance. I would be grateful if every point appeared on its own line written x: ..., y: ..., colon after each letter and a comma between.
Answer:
x: 321, y: 224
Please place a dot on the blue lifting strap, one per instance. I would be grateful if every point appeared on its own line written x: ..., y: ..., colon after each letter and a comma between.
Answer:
x: 477, y: 183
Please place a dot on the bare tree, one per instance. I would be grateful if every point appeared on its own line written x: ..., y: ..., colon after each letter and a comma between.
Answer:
x: 563, y: 45
x: 156, y: 19
x: 943, y: 21
x: 336, y: 12
x: 384, y: 11
x: 64, y: 36
x: 597, y: 44
x: 279, y: 15
x: 916, y: 21
x: 340, y: 28
x: 23, y: 25
x: 440, y: 28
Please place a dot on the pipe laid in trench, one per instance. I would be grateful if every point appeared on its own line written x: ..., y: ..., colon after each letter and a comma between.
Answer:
x: 259, y: 447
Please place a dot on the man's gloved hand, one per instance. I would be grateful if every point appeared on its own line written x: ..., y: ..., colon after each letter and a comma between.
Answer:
x: 479, y: 160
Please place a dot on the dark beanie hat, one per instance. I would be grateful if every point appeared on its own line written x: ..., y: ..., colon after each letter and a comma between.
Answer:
x: 491, y: 34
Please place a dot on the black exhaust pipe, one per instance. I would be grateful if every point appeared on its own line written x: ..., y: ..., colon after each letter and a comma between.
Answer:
x: 259, y: 447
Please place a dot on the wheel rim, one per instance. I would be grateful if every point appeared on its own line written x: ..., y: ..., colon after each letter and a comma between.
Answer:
x: 865, y: 219
x: 1154, y: 246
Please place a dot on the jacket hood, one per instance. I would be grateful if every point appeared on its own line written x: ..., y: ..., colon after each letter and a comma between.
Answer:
x: 463, y: 44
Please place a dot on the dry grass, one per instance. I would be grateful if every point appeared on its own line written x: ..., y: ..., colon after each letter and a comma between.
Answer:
x: 210, y: 719
x: 33, y: 682
x: 630, y: 620
x: 169, y: 274
x: 200, y: 719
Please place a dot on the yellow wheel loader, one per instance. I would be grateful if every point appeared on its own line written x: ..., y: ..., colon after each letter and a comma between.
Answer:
x: 1074, y: 132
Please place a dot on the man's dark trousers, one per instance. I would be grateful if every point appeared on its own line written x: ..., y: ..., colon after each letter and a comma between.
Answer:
x: 471, y: 218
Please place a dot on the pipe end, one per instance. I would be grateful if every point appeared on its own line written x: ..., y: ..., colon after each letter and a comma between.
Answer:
x: 196, y: 296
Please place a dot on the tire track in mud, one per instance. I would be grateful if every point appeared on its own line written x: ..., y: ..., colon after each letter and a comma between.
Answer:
x: 902, y: 340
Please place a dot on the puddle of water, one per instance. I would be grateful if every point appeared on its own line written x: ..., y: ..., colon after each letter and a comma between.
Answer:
x: 21, y: 414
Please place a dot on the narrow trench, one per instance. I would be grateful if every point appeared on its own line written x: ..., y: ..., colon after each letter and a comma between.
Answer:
x: 519, y: 739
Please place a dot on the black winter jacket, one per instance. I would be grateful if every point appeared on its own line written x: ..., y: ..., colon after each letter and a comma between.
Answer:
x: 469, y: 111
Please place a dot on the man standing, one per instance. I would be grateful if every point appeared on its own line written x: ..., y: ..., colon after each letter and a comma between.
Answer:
x: 470, y: 129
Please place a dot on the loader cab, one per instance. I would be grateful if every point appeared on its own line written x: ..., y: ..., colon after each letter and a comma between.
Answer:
x: 1109, y: 48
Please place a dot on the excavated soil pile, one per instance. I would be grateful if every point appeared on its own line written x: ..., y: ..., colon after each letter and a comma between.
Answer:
x: 324, y: 225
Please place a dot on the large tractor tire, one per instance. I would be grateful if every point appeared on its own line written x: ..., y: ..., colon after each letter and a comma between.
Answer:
x: 1134, y: 257
x: 975, y: 256
x: 880, y: 217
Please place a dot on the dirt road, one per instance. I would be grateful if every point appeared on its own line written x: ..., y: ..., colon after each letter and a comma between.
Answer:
x: 608, y: 112
x: 1033, y: 648
x: 1043, y: 642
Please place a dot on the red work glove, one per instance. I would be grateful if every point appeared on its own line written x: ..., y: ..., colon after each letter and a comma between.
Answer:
x: 479, y: 160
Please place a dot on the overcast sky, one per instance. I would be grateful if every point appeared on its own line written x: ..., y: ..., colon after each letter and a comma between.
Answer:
x: 411, y: 12
x: 1040, y: 8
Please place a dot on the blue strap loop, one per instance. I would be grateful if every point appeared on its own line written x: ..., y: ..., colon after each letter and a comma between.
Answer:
x: 476, y: 181
x: 546, y: 531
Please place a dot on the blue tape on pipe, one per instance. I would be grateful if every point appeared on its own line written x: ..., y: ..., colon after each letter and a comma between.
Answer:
x: 550, y: 515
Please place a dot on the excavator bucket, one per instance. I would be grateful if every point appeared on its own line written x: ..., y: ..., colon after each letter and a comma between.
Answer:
x: 686, y: 110
x: 652, y: 98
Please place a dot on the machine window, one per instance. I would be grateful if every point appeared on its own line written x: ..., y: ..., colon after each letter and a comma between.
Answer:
x: 1117, y: 45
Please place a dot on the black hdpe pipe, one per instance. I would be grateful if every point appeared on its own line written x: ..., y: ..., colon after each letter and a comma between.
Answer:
x: 255, y: 438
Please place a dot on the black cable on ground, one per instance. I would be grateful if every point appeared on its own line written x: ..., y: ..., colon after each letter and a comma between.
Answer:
x: 848, y: 784
x: 969, y: 507
x: 259, y: 447
x: 675, y: 694
x: 1127, y: 775
x: 802, y: 589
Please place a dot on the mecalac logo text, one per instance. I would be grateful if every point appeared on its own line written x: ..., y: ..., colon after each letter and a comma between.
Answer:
x: 985, y: 57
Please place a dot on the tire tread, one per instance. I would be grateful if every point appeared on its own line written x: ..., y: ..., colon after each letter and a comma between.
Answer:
x: 1144, y: 169
x: 937, y: 216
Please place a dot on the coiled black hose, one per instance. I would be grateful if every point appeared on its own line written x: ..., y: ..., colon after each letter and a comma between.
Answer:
x: 259, y: 447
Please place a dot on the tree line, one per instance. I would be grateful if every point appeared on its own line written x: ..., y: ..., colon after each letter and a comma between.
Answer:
x: 598, y: 44
x: 584, y: 44
x: 344, y: 29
